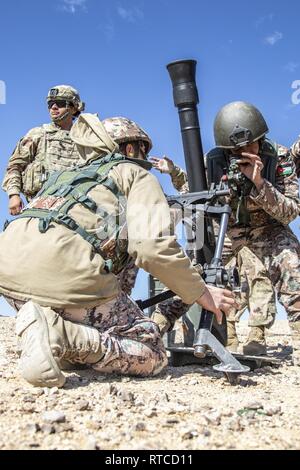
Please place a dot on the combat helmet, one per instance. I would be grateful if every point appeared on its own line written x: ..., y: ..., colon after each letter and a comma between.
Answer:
x: 122, y: 129
x: 238, y: 124
x: 68, y: 93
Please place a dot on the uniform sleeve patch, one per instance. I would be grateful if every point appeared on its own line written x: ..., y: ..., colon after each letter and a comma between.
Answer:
x: 284, y: 170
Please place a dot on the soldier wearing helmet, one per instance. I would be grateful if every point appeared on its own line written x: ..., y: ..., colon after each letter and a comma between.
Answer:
x: 44, y: 149
x: 264, y: 200
x: 70, y: 304
x: 133, y: 141
x: 270, y: 204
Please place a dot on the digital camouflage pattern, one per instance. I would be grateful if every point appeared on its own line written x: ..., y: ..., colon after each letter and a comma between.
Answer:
x: 127, y: 277
x: 257, y: 293
x: 81, y: 290
x: 123, y: 130
x: 295, y: 151
x: 179, y: 179
x: 295, y: 330
x: 268, y: 237
x: 131, y: 341
x: 42, y: 151
x: 172, y: 309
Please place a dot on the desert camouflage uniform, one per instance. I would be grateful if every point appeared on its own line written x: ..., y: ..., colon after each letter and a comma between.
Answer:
x: 257, y: 293
x: 42, y: 151
x: 295, y: 151
x: 128, y: 276
x: 132, y: 342
x: 268, y: 237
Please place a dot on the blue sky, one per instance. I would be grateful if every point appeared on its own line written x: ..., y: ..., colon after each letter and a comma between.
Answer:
x: 115, y: 53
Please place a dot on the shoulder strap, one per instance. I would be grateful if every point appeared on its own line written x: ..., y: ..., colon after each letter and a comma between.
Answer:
x: 70, y: 188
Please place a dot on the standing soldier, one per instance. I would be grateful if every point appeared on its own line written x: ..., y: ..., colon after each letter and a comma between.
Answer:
x: 44, y: 149
x: 257, y: 295
x: 264, y: 201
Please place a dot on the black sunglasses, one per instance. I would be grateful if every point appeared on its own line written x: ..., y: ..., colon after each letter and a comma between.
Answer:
x: 58, y: 103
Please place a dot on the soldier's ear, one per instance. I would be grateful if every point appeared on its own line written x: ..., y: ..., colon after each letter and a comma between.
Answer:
x: 74, y: 111
x: 129, y: 150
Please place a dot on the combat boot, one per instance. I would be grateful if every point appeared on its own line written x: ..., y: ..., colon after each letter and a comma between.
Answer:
x: 71, y: 365
x: 46, y: 339
x: 256, y: 342
x: 232, y: 338
x: 295, y: 330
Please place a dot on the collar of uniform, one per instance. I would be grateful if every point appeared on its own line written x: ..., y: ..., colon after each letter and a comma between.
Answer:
x: 52, y: 127
x: 143, y: 163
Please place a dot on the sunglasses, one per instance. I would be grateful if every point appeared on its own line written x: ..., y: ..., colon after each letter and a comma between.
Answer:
x: 58, y: 103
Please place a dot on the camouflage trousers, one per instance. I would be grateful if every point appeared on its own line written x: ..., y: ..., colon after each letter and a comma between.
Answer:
x: 172, y: 308
x: 257, y: 292
x: 266, y: 266
x: 131, y: 341
x: 279, y: 253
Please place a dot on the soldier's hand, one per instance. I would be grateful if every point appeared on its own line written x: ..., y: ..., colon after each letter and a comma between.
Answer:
x: 164, y: 165
x: 252, y: 166
x: 15, y: 205
x: 217, y: 301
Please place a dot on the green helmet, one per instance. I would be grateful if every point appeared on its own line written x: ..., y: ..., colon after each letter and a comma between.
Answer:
x: 68, y: 93
x: 238, y: 124
x: 122, y: 129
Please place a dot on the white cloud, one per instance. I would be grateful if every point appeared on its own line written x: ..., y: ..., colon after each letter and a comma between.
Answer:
x: 109, y: 31
x: 264, y: 19
x: 130, y: 14
x: 291, y: 66
x: 273, y: 38
x: 71, y: 6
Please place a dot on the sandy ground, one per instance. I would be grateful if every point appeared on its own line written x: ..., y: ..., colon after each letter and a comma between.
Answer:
x: 184, y: 408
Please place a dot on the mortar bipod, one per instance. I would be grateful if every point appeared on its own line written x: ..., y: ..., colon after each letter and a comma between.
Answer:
x: 214, y: 274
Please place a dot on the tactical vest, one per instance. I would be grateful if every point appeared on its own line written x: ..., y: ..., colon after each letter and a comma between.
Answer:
x: 218, y: 163
x: 64, y: 189
x: 56, y: 151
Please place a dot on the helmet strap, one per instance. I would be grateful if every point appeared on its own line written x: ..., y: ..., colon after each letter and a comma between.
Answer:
x: 64, y: 116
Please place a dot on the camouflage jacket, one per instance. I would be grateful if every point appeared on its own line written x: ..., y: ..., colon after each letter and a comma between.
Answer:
x: 43, y: 150
x: 273, y: 207
x: 295, y: 151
